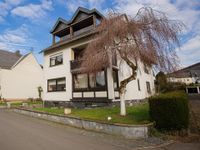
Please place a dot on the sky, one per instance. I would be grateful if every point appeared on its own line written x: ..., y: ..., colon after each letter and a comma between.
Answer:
x: 25, y: 24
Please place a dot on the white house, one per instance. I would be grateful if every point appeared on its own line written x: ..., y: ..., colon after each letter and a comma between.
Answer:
x: 187, y: 75
x: 63, y: 81
x: 20, y: 76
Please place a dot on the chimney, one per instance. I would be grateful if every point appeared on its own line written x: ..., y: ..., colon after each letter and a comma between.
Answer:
x: 17, y: 52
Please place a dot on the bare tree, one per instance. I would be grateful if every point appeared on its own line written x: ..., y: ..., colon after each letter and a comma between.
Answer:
x: 149, y: 37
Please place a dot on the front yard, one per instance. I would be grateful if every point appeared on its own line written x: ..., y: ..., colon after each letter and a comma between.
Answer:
x: 138, y: 114
x: 2, y: 103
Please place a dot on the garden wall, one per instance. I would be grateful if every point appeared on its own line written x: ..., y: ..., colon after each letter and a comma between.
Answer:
x: 127, y: 131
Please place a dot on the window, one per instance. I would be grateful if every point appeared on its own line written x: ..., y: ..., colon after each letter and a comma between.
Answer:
x: 100, y: 79
x: 56, y: 85
x: 114, y: 59
x: 138, y: 82
x: 80, y: 81
x: 56, y: 60
x: 89, y: 81
x: 146, y: 69
x: 148, y: 87
x: 97, y: 80
x: 115, y: 79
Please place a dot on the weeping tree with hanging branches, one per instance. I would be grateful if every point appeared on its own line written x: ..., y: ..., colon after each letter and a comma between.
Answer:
x: 149, y: 38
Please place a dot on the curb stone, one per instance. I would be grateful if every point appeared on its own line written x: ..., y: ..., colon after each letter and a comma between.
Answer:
x: 156, y: 146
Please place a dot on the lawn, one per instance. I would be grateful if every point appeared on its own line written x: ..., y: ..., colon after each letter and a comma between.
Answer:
x: 2, y: 104
x: 138, y: 114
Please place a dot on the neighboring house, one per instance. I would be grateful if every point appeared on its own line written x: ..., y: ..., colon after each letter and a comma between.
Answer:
x: 188, y: 75
x: 63, y: 80
x: 20, y: 76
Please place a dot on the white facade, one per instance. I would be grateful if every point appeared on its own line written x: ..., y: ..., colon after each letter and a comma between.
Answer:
x: 69, y: 40
x: 133, y: 92
x: 63, y: 70
x: 59, y: 71
x: 186, y: 80
x: 22, y: 80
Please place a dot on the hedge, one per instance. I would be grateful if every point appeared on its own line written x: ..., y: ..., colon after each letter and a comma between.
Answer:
x: 170, y: 111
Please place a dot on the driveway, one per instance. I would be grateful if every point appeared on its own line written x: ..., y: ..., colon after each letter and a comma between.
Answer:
x: 19, y: 132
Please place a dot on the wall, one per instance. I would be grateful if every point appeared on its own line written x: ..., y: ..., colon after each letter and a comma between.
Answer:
x: 22, y: 81
x: 64, y: 71
x: 0, y: 83
x: 132, y: 92
x: 187, y: 80
x: 58, y: 71
x: 127, y: 131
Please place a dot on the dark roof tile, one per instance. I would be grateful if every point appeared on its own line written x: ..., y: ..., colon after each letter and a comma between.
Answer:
x: 8, y: 59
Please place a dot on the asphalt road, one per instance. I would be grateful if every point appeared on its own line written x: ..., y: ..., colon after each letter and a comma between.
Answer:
x: 19, y: 132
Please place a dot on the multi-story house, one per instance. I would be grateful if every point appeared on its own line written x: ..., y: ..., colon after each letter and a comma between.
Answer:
x: 64, y: 82
x: 187, y: 75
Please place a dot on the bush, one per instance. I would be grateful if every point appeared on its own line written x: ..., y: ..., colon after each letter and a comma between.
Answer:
x: 174, y: 86
x: 170, y: 111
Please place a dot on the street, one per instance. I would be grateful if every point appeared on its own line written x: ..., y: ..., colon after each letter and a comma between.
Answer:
x: 19, y: 132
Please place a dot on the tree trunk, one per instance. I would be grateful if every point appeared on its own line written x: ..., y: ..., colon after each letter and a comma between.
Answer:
x: 122, y: 105
x: 123, y: 83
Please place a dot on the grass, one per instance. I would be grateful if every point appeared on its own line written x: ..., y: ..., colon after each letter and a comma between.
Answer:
x: 35, y: 103
x: 138, y: 114
x: 16, y: 104
x: 2, y: 104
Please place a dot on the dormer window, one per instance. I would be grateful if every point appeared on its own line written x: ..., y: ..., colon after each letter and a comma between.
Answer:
x: 56, y: 60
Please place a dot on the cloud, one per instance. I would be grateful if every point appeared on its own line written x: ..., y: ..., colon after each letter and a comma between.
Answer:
x: 33, y: 11
x: 186, y: 11
x: 1, y: 19
x: 18, y: 35
x: 13, y: 2
x: 19, y: 38
x: 6, y: 6
x: 178, y: 9
x: 72, y: 5
x: 3, y: 45
x: 189, y: 52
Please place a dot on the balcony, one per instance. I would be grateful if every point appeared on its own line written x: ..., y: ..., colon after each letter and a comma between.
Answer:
x: 75, y: 64
x: 75, y: 30
x: 83, y: 30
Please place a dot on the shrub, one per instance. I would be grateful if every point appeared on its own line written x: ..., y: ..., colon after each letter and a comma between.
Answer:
x: 170, y: 111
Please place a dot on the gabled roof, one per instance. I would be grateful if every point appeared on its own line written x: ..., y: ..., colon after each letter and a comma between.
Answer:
x: 22, y: 58
x: 79, y: 10
x: 85, y: 10
x: 8, y: 59
x: 60, y: 20
x: 190, y: 71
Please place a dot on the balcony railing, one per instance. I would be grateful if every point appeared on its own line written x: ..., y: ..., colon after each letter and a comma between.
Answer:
x: 75, y: 64
x: 83, y: 30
